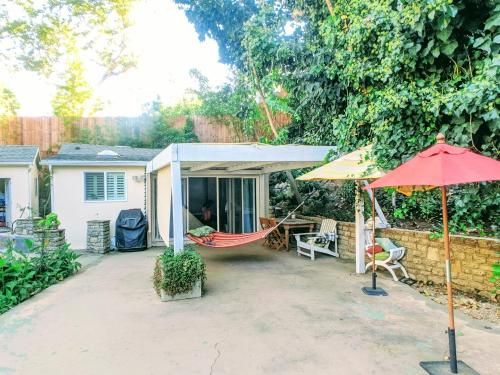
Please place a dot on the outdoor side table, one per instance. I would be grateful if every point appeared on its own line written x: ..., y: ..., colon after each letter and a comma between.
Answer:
x: 291, y: 224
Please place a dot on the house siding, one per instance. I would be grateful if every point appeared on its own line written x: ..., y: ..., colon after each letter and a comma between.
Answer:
x: 21, y: 189
x: 74, y: 212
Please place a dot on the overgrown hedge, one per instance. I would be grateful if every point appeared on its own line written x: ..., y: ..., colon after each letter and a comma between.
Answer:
x: 22, y: 276
x: 178, y: 273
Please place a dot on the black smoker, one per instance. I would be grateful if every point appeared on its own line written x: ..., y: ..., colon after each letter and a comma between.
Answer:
x: 131, y: 230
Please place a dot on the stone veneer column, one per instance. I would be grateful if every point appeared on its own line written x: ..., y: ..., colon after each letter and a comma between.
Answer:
x: 98, y: 236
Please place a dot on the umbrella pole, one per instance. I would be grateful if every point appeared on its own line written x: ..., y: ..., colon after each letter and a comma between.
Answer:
x: 374, y: 273
x: 451, y: 318
x: 373, y: 291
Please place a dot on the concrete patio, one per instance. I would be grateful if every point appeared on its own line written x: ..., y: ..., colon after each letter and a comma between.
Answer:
x: 263, y: 313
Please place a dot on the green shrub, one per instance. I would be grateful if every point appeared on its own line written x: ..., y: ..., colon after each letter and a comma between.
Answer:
x: 22, y: 276
x: 178, y: 273
x: 51, y: 221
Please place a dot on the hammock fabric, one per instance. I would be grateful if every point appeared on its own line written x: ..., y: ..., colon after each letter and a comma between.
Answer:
x: 220, y: 239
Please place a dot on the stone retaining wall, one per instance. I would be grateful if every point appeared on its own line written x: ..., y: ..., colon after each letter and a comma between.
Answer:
x: 54, y: 238
x: 472, y: 257
x: 26, y: 226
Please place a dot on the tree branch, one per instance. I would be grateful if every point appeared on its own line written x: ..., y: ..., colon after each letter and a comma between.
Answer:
x: 330, y: 6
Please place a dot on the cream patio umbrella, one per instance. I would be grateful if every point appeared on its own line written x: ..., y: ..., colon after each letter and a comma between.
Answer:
x: 357, y: 166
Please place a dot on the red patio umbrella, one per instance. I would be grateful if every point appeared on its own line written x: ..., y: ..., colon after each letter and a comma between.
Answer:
x: 439, y: 166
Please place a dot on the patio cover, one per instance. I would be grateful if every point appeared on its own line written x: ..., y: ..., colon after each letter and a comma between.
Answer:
x: 357, y: 166
x: 218, y: 159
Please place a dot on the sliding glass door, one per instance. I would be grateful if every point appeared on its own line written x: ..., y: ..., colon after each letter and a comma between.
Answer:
x: 202, y: 202
x: 248, y: 206
x: 227, y: 204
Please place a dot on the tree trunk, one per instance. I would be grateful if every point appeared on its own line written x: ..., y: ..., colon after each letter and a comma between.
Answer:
x: 291, y: 180
x: 330, y: 6
x: 264, y: 103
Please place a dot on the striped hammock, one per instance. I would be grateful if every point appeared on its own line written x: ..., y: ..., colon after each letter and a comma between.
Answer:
x: 221, y: 239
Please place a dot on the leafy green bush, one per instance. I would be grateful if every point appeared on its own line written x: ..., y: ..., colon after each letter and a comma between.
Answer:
x: 51, y: 221
x: 22, y: 276
x: 178, y: 273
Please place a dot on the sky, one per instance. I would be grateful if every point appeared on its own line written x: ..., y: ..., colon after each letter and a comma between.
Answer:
x: 166, y: 46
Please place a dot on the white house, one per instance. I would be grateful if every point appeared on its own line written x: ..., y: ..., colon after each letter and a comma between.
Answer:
x: 90, y: 182
x: 18, y: 183
x: 225, y: 186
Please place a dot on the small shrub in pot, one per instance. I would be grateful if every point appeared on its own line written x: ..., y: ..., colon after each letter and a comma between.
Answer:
x: 177, y: 274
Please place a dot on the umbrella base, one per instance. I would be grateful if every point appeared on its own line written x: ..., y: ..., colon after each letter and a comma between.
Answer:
x: 369, y: 291
x: 443, y: 368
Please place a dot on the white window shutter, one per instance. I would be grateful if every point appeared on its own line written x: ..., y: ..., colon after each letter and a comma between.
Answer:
x: 94, y: 186
x: 115, y: 186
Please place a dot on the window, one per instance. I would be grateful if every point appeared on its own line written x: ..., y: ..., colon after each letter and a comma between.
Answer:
x: 94, y: 186
x: 104, y: 186
x: 115, y: 186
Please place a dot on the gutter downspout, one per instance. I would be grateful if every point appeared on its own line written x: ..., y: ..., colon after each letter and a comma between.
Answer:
x: 30, y: 196
x: 51, y: 179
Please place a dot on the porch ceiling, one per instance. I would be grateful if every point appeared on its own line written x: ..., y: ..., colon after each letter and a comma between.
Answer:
x: 251, y: 158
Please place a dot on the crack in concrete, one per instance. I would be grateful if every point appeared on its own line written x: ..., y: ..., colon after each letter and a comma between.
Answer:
x: 215, y: 359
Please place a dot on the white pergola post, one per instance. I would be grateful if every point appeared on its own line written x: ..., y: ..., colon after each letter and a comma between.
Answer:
x: 360, y: 229
x: 177, y: 223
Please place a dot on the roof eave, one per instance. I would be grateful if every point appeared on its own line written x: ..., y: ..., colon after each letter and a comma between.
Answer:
x: 108, y: 163
x: 16, y: 163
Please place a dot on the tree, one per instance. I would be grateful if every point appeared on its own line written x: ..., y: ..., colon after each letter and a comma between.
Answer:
x: 223, y: 21
x: 35, y: 35
x: 8, y: 104
x: 73, y: 94
x: 383, y: 72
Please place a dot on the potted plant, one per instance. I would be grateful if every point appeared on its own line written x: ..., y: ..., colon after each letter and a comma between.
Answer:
x: 51, y: 221
x: 179, y: 276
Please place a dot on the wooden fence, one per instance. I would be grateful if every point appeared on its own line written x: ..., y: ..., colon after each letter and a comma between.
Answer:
x: 48, y: 133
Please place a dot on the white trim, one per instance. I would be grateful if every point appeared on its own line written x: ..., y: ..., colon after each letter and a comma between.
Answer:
x: 106, y: 200
x: 16, y: 163
x: 104, y: 163
x: 208, y: 153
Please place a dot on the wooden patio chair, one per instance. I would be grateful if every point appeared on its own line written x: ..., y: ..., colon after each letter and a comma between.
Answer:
x: 274, y: 240
x: 319, y: 242
x: 389, y: 258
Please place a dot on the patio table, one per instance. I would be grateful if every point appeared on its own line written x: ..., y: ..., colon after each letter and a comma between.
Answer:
x: 290, y: 224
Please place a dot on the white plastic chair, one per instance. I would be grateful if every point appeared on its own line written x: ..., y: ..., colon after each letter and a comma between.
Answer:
x: 389, y: 258
x: 310, y: 243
